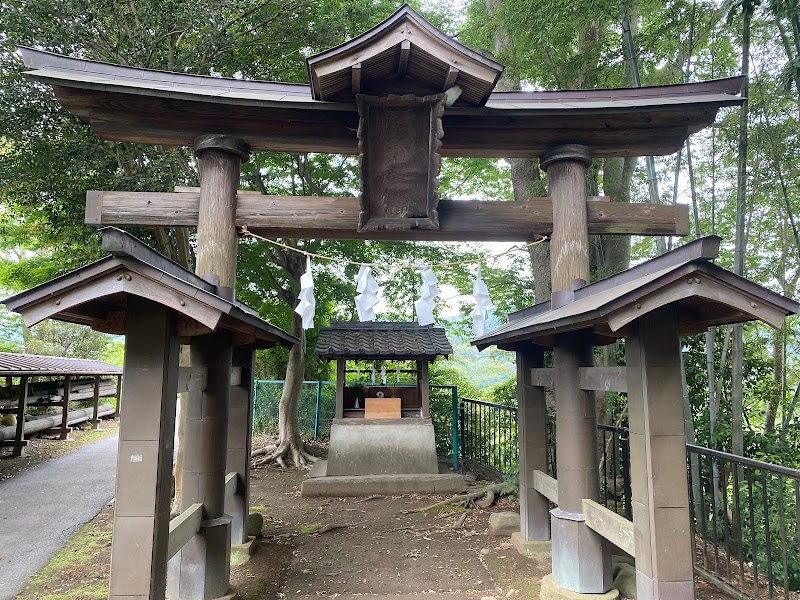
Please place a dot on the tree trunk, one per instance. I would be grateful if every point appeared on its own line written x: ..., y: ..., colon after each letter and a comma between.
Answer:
x: 737, y: 430
x: 290, y: 443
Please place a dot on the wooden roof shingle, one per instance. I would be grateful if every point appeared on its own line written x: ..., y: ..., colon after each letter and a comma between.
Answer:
x: 382, y: 340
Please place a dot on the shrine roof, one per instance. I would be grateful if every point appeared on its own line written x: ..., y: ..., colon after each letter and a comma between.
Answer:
x: 705, y: 293
x: 14, y: 365
x: 96, y: 295
x: 147, y: 106
x: 382, y: 340
x: 403, y: 54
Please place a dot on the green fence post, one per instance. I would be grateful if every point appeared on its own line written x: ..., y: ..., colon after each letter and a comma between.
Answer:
x: 316, y: 414
x: 454, y: 407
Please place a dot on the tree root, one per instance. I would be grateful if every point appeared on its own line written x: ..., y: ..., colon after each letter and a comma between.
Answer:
x: 484, y: 491
x: 281, y: 453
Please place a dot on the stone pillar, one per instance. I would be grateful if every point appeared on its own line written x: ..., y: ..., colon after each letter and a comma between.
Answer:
x: 240, y: 433
x: 144, y: 463
x: 532, y: 433
x: 201, y: 570
x: 581, y: 561
x: 662, y: 526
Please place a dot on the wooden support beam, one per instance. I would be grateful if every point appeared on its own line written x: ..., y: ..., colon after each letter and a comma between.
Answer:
x: 604, y: 379
x: 613, y: 527
x: 312, y: 217
x: 355, y: 73
x: 450, y: 80
x: 546, y: 486
x: 22, y: 400
x: 194, y: 379
x: 543, y: 377
x: 183, y: 528
x: 402, y: 64
x: 65, y: 429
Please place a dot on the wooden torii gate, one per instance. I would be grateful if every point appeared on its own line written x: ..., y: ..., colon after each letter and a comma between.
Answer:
x: 401, y: 95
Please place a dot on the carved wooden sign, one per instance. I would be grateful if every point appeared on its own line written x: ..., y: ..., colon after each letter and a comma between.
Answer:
x: 399, y: 139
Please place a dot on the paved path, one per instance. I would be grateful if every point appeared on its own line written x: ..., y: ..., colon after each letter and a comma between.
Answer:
x: 41, y: 508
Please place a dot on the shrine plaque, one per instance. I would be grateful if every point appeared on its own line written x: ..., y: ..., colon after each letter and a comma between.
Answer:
x: 382, y: 408
x: 399, y: 139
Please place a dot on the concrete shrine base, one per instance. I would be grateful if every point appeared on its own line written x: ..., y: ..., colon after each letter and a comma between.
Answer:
x: 535, y: 549
x: 319, y: 483
x: 381, y: 456
x: 550, y: 591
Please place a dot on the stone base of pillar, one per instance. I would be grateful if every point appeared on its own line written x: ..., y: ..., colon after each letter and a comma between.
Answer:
x: 241, y: 553
x: 550, y: 591
x: 536, y: 549
x: 581, y: 560
x: 201, y: 569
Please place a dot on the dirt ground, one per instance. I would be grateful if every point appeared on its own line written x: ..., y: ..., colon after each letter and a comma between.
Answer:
x: 42, y: 449
x: 381, y: 552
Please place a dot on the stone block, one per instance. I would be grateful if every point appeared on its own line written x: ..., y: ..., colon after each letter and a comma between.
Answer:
x: 550, y: 591
x: 535, y: 549
x: 625, y: 581
x: 504, y: 523
x: 255, y: 522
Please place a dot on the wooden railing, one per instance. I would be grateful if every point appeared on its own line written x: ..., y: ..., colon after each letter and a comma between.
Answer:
x: 184, y: 527
x: 606, y: 523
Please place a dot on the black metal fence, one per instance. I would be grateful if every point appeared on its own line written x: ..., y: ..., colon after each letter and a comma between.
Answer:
x: 488, y: 435
x: 745, y: 516
x: 615, y: 470
x: 745, y: 513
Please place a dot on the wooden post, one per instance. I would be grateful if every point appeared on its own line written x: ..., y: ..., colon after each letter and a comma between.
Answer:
x: 64, y: 432
x: 569, y: 245
x: 424, y: 383
x: 581, y: 561
x: 119, y: 397
x: 144, y: 463
x: 221, y: 158
x: 240, y: 433
x: 201, y: 570
x: 534, y: 508
x: 22, y: 402
x: 96, y: 403
x: 340, y: 381
x: 662, y: 527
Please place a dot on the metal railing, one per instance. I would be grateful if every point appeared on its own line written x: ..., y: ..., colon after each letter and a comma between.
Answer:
x: 615, y: 470
x: 745, y: 516
x: 488, y: 435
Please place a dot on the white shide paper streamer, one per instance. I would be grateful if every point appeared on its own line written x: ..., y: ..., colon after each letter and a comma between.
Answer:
x: 367, y: 298
x: 307, y: 305
x: 482, y: 304
x: 427, y: 293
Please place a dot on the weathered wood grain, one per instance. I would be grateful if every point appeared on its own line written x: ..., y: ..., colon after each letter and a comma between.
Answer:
x: 327, y: 217
x: 616, y: 529
x: 546, y: 486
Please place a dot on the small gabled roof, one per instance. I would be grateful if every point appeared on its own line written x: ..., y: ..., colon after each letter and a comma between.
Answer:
x: 404, y: 54
x: 382, y: 340
x: 96, y: 295
x: 705, y: 293
x: 15, y: 365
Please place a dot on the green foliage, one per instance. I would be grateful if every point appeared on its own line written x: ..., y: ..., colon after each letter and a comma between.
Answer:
x: 56, y: 338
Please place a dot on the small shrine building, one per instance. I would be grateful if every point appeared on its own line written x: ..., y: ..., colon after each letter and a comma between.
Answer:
x: 382, y: 437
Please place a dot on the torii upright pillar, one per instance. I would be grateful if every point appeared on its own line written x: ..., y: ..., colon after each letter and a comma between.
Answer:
x: 201, y: 570
x: 580, y: 560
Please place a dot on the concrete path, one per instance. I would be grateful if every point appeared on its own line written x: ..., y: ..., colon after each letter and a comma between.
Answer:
x: 40, y: 509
